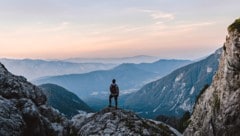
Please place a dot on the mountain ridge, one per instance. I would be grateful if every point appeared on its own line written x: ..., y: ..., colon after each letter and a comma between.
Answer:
x: 159, y: 97
x: 117, y: 60
x: 129, y: 77
x: 35, y: 68
x: 63, y: 100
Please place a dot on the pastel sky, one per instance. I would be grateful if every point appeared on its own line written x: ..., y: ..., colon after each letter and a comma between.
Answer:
x: 114, y: 28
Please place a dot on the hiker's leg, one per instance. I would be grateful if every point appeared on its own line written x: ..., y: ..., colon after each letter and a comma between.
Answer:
x: 116, y: 101
x: 110, y: 100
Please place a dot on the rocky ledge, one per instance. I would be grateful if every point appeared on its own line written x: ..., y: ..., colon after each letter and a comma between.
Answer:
x: 119, y: 122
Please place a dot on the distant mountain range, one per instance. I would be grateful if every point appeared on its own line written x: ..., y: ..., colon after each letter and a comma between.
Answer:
x: 129, y: 77
x: 33, y: 69
x: 175, y: 93
x: 134, y: 59
x: 63, y: 100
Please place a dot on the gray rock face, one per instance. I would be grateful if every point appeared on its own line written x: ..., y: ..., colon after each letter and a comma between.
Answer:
x: 118, y: 123
x: 217, y: 112
x: 22, y: 109
x: 12, y: 86
x: 10, y: 119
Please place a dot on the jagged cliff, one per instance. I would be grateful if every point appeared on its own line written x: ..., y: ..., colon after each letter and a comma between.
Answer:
x: 23, y: 111
x: 217, y: 111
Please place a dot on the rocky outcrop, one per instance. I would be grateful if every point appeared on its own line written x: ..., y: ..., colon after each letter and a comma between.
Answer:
x: 217, y: 112
x: 12, y: 86
x: 23, y: 110
x: 110, y: 121
x: 11, y: 121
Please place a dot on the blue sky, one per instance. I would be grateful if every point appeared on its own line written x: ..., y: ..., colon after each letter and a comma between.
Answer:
x: 111, y: 28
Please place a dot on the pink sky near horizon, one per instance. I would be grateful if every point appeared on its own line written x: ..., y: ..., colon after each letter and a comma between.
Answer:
x: 137, y: 30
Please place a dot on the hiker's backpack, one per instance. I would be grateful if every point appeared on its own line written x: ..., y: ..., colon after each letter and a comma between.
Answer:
x: 114, y: 89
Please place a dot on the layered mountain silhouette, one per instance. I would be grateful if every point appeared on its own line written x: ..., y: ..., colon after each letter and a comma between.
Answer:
x: 135, y: 59
x: 33, y: 69
x: 129, y: 77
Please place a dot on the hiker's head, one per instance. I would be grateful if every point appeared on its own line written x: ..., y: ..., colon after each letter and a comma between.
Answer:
x: 114, y: 81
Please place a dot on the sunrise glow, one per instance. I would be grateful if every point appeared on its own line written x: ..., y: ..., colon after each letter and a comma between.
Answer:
x: 109, y: 28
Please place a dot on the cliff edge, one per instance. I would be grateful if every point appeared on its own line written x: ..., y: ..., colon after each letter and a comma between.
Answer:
x: 217, y: 111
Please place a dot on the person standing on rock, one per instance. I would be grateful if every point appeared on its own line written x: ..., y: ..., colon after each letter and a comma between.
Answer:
x: 114, y: 92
